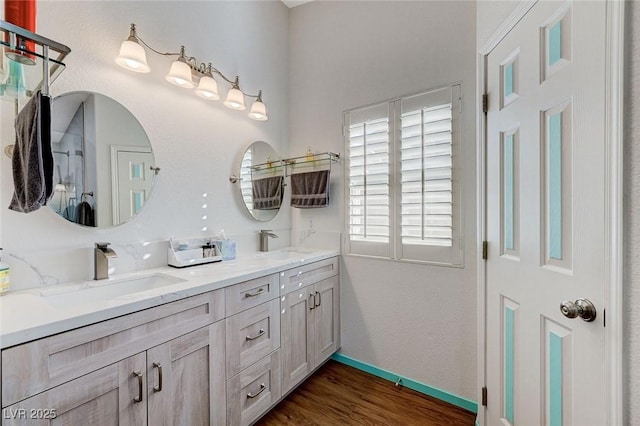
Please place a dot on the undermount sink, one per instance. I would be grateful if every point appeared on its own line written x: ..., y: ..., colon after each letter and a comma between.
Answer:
x: 286, y: 253
x: 93, y: 291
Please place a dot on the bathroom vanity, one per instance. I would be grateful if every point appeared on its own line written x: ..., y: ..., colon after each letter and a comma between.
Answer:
x: 215, y: 344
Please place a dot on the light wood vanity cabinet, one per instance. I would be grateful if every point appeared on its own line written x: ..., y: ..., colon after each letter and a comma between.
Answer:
x: 176, y: 383
x: 310, y: 317
x: 253, y: 340
x: 223, y: 357
x: 103, y: 397
x: 94, y: 373
x: 185, y: 379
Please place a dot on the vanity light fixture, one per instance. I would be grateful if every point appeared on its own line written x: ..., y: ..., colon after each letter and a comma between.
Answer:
x: 132, y: 56
x: 182, y: 72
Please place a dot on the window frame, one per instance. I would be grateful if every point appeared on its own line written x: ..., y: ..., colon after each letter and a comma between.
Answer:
x: 395, y: 250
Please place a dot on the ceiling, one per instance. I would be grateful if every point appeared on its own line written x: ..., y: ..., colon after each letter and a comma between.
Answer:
x: 294, y: 3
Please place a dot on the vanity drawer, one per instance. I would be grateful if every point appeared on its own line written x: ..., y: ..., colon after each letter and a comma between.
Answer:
x: 252, y: 392
x: 251, y: 335
x: 250, y: 293
x: 296, y: 278
x: 42, y: 364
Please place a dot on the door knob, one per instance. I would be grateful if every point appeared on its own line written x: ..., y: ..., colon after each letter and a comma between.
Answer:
x: 582, y: 308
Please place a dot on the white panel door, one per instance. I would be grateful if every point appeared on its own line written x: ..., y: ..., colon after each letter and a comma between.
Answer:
x: 134, y: 182
x: 546, y: 222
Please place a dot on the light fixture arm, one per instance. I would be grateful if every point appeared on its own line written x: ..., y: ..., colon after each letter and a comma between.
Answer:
x: 199, y: 69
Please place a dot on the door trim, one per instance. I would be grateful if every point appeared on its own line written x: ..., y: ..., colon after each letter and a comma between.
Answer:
x: 614, y: 99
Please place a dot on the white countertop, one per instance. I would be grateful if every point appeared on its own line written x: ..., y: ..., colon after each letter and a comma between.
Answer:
x: 32, y: 314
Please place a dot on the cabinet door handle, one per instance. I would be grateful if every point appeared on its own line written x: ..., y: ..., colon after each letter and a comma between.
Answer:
x: 319, y: 301
x: 159, y: 367
x: 312, y: 305
x: 138, y: 398
x: 262, y: 388
x: 260, y: 333
x: 257, y: 293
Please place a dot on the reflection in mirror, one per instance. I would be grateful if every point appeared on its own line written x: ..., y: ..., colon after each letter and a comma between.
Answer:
x: 261, y: 181
x: 104, y: 165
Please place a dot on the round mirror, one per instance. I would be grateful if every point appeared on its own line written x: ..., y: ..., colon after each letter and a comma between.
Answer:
x: 104, y: 165
x: 261, y: 181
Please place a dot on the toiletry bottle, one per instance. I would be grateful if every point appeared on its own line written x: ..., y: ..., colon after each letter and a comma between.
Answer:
x: 309, y: 156
x: 4, y: 277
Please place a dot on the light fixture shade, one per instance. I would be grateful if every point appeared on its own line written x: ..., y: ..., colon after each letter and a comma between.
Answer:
x: 258, y: 111
x: 235, y: 100
x: 180, y: 75
x: 133, y: 57
x: 208, y: 89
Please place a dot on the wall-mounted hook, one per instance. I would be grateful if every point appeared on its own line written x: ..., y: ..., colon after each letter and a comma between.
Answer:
x: 156, y: 170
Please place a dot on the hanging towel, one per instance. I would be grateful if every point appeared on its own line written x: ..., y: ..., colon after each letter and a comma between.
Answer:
x: 310, y: 190
x: 32, y: 159
x: 267, y: 193
x: 85, y: 214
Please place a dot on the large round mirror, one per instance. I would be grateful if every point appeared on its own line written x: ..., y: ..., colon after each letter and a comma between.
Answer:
x: 261, y: 181
x: 104, y: 165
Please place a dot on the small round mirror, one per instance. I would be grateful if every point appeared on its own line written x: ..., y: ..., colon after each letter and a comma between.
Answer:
x: 104, y: 165
x: 261, y: 181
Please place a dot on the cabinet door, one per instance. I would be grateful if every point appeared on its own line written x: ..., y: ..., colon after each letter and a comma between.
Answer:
x: 186, y: 379
x: 113, y: 395
x: 326, y: 319
x: 296, y: 337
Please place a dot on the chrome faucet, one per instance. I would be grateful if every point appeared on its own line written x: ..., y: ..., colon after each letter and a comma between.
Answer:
x: 264, y: 239
x: 101, y: 254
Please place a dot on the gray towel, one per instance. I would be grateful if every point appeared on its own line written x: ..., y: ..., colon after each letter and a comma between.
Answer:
x: 85, y: 214
x: 310, y: 190
x: 267, y: 193
x: 32, y: 157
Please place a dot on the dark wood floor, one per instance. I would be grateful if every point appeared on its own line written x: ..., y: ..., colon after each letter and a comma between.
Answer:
x: 341, y: 395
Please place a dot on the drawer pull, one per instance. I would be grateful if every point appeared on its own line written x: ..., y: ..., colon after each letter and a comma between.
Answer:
x: 260, y: 333
x: 257, y: 293
x: 319, y: 301
x: 138, y: 398
x: 312, y: 305
x: 262, y: 388
x: 159, y: 367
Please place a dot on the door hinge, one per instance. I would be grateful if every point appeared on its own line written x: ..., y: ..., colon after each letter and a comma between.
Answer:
x: 484, y: 396
x: 485, y: 103
x: 604, y: 317
x: 485, y: 250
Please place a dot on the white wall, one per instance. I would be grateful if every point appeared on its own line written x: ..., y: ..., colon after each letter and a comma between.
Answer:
x: 415, y: 320
x: 631, y: 211
x: 196, y: 144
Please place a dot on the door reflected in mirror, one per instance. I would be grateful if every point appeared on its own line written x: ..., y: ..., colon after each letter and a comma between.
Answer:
x: 261, y: 181
x: 104, y: 165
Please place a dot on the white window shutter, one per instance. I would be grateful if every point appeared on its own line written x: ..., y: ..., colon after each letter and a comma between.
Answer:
x: 403, y: 187
x: 368, y: 169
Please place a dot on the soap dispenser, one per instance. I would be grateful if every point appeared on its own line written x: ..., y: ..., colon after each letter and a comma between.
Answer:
x: 310, y: 156
x: 4, y: 277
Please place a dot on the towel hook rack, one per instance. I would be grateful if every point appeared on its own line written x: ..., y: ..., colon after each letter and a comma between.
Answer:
x: 330, y: 157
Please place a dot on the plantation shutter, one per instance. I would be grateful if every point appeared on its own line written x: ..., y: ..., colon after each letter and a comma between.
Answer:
x: 245, y: 180
x: 402, y: 179
x: 428, y: 214
x: 368, y: 175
